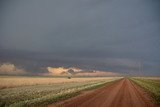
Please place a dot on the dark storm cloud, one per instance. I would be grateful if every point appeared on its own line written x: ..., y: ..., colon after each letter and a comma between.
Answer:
x: 110, y: 35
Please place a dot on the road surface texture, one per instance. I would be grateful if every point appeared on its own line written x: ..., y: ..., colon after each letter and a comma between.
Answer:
x: 123, y: 93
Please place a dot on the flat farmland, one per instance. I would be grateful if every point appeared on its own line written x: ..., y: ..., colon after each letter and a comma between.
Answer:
x: 18, y: 91
x: 13, y: 81
x: 31, y: 91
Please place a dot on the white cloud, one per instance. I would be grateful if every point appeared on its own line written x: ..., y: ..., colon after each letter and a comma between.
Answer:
x: 11, y: 69
x: 78, y: 72
x: 62, y: 70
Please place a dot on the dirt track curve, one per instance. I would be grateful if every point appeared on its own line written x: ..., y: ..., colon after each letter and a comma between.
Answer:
x: 123, y: 93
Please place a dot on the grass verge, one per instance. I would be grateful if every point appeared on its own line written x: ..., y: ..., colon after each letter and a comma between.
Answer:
x: 151, y: 86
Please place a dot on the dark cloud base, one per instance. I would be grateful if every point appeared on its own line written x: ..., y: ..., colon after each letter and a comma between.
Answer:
x: 110, y: 35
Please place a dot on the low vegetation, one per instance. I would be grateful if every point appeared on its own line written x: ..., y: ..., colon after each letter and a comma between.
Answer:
x: 152, y: 85
x: 43, y: 93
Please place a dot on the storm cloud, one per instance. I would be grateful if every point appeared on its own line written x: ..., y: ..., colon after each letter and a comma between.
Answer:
x: 108, y: 35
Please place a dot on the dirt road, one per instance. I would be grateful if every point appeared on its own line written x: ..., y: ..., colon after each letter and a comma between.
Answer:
x: 123, y: 93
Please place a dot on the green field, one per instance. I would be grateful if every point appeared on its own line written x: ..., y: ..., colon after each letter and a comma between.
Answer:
x: 17, y: 94
x: 151, y: 85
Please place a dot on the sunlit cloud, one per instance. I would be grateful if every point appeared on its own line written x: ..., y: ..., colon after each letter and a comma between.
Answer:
x: 11, y: 69
x: 78, y: 72
x: 62, y: 70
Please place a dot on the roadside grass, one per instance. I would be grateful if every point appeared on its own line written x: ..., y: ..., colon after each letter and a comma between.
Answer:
x: 37, y: 95
x: 151, y: 86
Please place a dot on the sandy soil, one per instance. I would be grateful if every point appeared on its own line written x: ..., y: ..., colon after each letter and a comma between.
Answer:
x: 123, y: 93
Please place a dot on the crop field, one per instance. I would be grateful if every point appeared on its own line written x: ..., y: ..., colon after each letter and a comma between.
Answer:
x: 27, y: 91
x: 151, y: 84
x: 13, y: 81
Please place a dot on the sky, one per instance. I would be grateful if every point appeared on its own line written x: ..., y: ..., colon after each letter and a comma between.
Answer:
x: 105, y: 35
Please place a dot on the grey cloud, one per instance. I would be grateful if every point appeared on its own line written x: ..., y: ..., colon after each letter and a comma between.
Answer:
x: 101, y: 34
